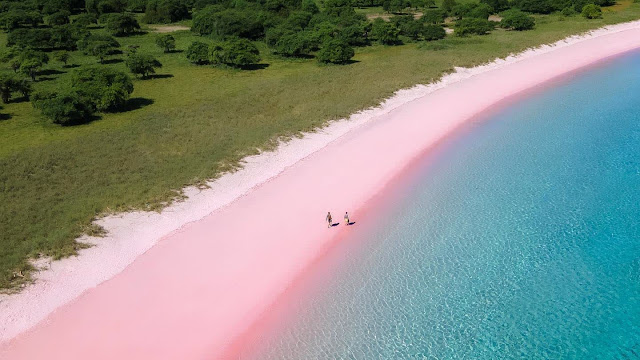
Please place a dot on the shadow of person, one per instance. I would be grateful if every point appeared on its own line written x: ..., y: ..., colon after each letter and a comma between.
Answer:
x: 335, y: 224
x: 351, y: 223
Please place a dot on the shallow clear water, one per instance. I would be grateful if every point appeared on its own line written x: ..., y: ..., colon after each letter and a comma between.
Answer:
x: 519, y: 239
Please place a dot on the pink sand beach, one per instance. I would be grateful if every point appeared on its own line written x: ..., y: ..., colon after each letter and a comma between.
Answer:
x: 194, y: 293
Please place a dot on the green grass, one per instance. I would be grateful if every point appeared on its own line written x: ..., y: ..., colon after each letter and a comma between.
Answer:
x: 191, y: 126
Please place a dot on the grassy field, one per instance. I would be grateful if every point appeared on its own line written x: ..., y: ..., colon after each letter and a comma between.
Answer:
x: 192, y: 122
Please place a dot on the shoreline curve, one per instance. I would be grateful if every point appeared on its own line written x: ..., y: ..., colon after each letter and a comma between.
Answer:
x: 267, y: 252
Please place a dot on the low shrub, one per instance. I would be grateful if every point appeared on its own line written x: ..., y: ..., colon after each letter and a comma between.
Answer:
x: 469, y: 26
x: 592, y: 11
x: 236, y: 52
x: 336, y: 51
x: 433, y: 32
x: 517, y: 20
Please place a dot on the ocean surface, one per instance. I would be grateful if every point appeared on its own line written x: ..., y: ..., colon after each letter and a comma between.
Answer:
x: 519, y: 238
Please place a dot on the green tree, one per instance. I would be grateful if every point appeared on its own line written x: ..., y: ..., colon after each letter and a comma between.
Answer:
x: 98, y: 45
x: 7, y: 86
x: 568, y: 11
x: 165, y: 11
x: 198, y: 53
x: 105, y: 6
x: 385, y: 32
x: 517, y: 20
x: 338, y: 8
x: 294, y: 44
x: 143, y: 64
x: 497, y: 5
x: 236, y: 52
x: 14, y: 64
x: 412, y: 29
x: 336, y: 51
x: 122, y: 24
x: 31, y: 61
x: 30, y: 67
x: 592, y: 11
x: 213, y: 20
x: 67, y: 108
x: 432, y: 32
x: 433, y: 16
x: 10, y: 84
x: 107, y: 89
x: 481, y: 11
x: 448, y: 5
x: 395, y: 6
x: 16, y: 18
x: 310, y: 6
x: 30, y: 38
x: 85, y: 20
x: 468, y: 26
x: 101, y: 50
x: 166, y: 42
x: 23, y: 86
x: 476, y: 10
x: 61, y: 56
x: 59, y: 18
x: 534, y: 6
x: 137, y: 5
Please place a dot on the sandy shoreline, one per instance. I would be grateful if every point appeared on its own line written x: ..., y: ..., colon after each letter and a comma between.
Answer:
x: 183, y: 314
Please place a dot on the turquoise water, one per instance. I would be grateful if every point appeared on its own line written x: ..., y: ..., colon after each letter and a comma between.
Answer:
x: 518, y: 239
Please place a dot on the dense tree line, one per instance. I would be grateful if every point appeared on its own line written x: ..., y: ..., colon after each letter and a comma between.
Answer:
x: 40, y: 31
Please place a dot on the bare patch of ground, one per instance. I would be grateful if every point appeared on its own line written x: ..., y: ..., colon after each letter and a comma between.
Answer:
x: 387, y: 16
x: 168, y: 28
x: 620, y: 5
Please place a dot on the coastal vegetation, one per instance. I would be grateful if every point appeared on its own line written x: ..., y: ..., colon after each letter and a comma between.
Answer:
x: 104, y: 111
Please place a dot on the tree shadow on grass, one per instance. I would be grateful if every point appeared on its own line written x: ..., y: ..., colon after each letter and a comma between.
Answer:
x: 298, y: 57
x: 160, y: 76
x: 254, y: 67
x: 71, y: 66
x: 135, y: 34
x: 112, y: 61
x: 84, y: 122
x: 44, y: 78
x: 51, y: 72
x: 137, y: 103
x: 19, y: 99
x: 4, y: 117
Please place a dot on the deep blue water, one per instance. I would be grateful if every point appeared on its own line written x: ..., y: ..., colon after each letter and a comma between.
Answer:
x: 518, y: 239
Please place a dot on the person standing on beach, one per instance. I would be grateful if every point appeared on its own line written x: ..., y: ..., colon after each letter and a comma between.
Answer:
x: 346, y: 218
x: 329, y: 220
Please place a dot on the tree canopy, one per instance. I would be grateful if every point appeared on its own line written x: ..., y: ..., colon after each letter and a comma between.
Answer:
x: 166, y: 42
x: 468, y: 26
x: 107, y: 89
x: 142, y: 64
x: 236, y: 52
x: 198, y: 53
x: 336, y: 51
x: 165, y: 11
x: 517, y: 20
x: 122, y: 24
x: 592, y: 11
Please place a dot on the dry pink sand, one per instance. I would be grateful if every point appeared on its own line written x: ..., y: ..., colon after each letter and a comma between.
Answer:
x: 200, y: 288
